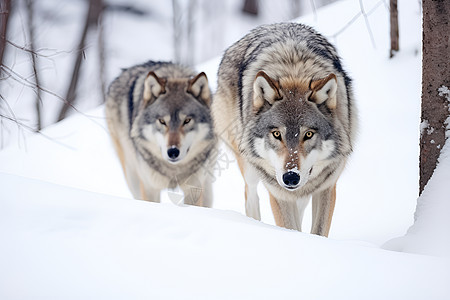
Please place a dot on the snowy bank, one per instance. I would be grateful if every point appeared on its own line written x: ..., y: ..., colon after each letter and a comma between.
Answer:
x: 430, y: 233
x: 64, y: 243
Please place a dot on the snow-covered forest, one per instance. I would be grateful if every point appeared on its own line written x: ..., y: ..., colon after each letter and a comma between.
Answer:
x: 70, y: 229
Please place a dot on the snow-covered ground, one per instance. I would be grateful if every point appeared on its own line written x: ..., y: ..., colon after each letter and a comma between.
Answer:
x: 69, y: 228
x: 65, y: 243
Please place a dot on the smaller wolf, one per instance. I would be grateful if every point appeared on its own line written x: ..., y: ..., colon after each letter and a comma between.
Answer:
x: 159, y: 119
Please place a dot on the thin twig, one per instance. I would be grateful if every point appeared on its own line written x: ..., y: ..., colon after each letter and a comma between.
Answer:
x: 313, y: 6
x: 38, y: 51
x: 31, y: 129
x: 101, y: 56
x: 34, y: 62
x: 29, y: 84
x: 8, y: 107
x: 361, y: 5
x: 94, y: 11
x: 347, y: 25
x: 355, y: 17
x: 374, y: 8
x: 5, y: 7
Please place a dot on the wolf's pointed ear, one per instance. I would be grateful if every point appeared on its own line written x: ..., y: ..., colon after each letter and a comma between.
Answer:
x: 324, y: 90
x: 199, y: 88
x: 264, y: 89
x: 153, y: 86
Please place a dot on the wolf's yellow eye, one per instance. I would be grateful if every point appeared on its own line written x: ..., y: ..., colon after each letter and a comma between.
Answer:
x: 308, y: 135
x: 161, y: 121
x: 276, y: 134
x: 187, y: 121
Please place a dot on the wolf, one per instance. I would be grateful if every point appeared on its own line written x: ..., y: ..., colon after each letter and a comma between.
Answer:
x: 159, y: 119
x: 284, y: 104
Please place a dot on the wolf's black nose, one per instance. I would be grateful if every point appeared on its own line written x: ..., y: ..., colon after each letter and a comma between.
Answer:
x: 173, y: 153
x: 291, y: 179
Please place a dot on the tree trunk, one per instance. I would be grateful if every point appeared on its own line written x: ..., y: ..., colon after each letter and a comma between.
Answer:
x: 34, y: 58
x: 250, y: 7
x: 5, y: 8
x: 192, y: 9
x: 394, y: 27
x: 295, y: 9
x: 94, y: 11
x: 435, y: 78
x: 101, y: 58
x: 177, y: 30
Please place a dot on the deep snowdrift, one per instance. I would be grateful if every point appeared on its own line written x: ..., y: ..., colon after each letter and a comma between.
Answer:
x: 430, y: 233
x: 64, y: 243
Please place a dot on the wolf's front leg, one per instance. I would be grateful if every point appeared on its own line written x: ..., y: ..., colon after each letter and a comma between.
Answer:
x: 251, y: 195
x: 207, y: 194
x: 288, y: 214
x: 149, y: 193
x: 252, y: 202
x: 251, y: 179
x: 322, y: 210
x: 198, y: 196
x: 193, y: 194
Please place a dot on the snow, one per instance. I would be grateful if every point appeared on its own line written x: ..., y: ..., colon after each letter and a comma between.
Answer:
x: 73, y: 244
x: 69, y: 228
x: 444, y: 92
x: 424, y: 125
x: 430, y: 232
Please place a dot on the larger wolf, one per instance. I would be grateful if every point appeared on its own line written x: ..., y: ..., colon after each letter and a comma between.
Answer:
x: 284, y: 104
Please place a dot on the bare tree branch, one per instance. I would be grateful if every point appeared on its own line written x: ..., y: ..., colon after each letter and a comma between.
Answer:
x: 366, y: 19
x: 251, y: 7
x: 37, y: 90
x: 5, y: 8
x: 37, y: 52
x: 393, y: 18
x: 296, y: 9
x: 25, y: 82
x: 192, y: 8
x: 356, y: 17
x: 93, y: 14
x: 33, y: 130
x: 314, y: 9
x: 8, y: 108
x: 101, y: 57
x: 176, y: 11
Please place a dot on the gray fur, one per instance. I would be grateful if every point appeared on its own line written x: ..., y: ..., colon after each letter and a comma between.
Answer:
x: 287, y: 53
x: 135, y: 129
